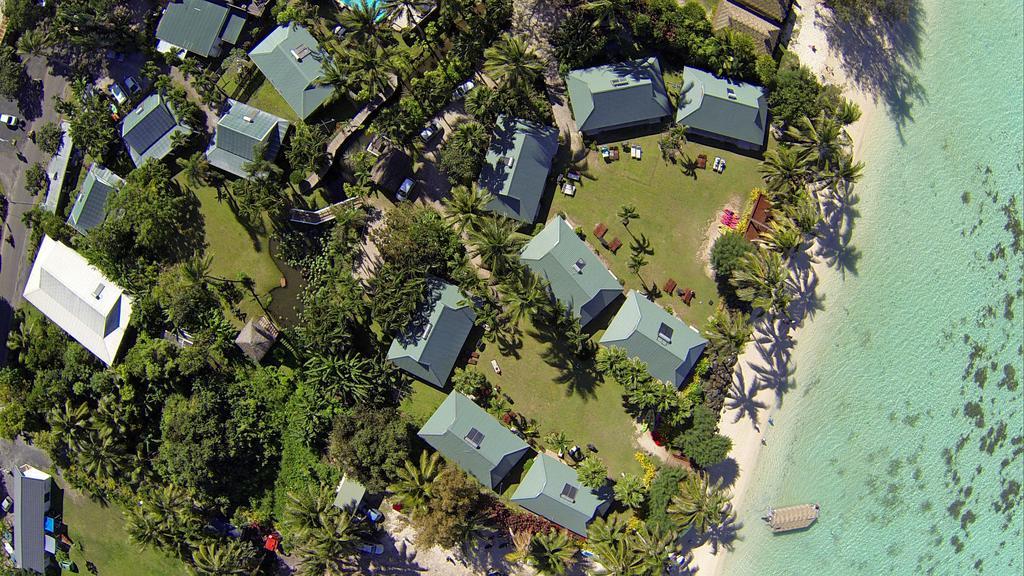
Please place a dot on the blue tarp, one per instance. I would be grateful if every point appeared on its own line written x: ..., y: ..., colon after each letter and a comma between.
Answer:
x: 48, y: 525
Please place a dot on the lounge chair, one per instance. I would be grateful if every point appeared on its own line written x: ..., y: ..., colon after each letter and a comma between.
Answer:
x: 702, y: 161
x: 615, y: 245
x: 600, y: 230
x: 613, y: 155
x: 568, y: 189
x: 494, y: 365
x: 670, y: 286
x: 573, y: 175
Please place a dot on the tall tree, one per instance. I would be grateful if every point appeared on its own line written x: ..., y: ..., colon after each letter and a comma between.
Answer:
x: 513, y: 63
x: 465, y: 206
x: 196, y: 169
x: 551, y: 552
x: 700, y: 504
x: 497, y: 244
x: 413, y: 487
x: 761, y: 279
x: 364, y: 21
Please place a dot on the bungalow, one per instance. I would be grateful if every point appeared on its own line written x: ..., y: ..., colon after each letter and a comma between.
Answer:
x: 516, y: 168
x: 57, y: 169
x: 774, y: 11
x: 256, y: 338
x: 349, y: 494
x: 79, y: 298
x: 433, y: 340
x: 90, y: 209
x: 290, y: 58
x: 732, y: 113
x: 552, y: 490
x: 467, y: 435
x: 34, y: 544
x: 668, y: 346
x: 616, y: 96
x: 201, y: 27
x: 240, y: 132
x: 730, y: 14
x: 576, y: 275
x: 148, y: 129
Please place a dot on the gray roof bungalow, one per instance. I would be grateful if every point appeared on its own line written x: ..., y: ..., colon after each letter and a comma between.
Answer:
x: 147, y: 129
x: 616, y: 96
x: 431, y: 343
x: 552, y: 490
x: 240, y: 131
x: 576, y: 275
x: 668, y: 346
x: 200, y: 26
x: 467, y: 435
x: 733, y: 113
x: 33, y: 547
x: 289, y: 58
x: 57, y: 169
x: 90, y: 209
x: 349, y: 494
x: 516, y: 168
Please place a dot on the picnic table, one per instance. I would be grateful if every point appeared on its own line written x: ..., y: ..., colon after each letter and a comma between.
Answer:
x: 614, y: 246
x: 670, y: 286
x: 702, y: 161
x: 688, y: 296
x: 600, y: 230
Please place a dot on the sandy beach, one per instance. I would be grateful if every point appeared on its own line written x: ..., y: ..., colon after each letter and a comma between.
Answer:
x: 766, y: 356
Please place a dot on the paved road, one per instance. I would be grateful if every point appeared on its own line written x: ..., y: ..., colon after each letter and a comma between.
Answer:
x: 36, y: 108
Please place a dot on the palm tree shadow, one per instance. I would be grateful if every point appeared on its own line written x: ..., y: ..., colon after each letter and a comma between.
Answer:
x: 578, y: 375
x: 834, y: 244
x: 725, y: 535
x: 743, y: 400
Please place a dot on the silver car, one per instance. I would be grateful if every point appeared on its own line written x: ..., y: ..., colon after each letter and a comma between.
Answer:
x: 119, y: 95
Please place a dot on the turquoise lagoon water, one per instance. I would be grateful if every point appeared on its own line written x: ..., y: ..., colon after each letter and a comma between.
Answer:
x: 903, y: 417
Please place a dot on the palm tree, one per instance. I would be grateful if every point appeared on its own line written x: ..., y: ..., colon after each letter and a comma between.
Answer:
x: 782, y: 236
x: 805, y: 212
x: 728, y: 332
x: 844, y: 172
x: 349, y: 377
x: 413, y: 487
x: 616, y: 557
x: 465, y: 206
x: 655, y: 548
x: 496, y: 243
x: 784, y: 170
x: 627, y: 213
x: 330, y: 547
x: 196, y: 169
x: 480, y: 103
x: 847, y: 112
x: 513, y: 63
x: 551, y: 552
x: 523, y: 297
x: 375, y: 67
x: 222, y: 559
x: 100, y: 456
x: 821, y: 142
x: 306, y: 510
x: 363, y: 20
x: 260, y: 168
x: 606, y: 529
x: 70, y: 425
x: 559, y: 442
x: 636, y: 264
x: 700, y: 504
x: 761, y: 280
x: 604, y: 13
x: 335, y: 73
x: 641, y: 245
x: 196, y: 269
x: 34, y: 42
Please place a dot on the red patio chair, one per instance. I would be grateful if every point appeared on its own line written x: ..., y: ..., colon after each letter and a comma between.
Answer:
x: 615, y: 245
x: 600, y: 230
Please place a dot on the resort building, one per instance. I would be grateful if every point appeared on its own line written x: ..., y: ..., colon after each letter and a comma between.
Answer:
x: 34, y: 544
x: 289, y: 58
x: 720, y: 110
x: 148, y: 129
x: 516, y: 167
x: 468, y: 436
x: 57, y: 169
x: 79, y: 298
x: 668, y: 346
x: 731, y: 14
x: 201, y: 27
x: 552, y: 490
x: 256, y: 338
x: 433, y: 340
x: 576, y: 276
x: 90, y: 209
x: 774, y: 11
x: 617, y: 96
x: 241, y: 131
x: 349, y: 494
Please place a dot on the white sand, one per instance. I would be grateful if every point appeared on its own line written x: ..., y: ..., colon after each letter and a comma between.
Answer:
x: 745, y: 436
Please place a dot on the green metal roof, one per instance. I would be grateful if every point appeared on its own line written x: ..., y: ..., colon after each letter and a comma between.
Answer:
x: 668, y: 346
x: 552, y: 490
x: 432, y: 342
x: 577, y: 276
x: 147, y: 129
x: 90, y: 207
x: 516, y: 168
x: 618, y: 95
x: 349, y: 494
x: 733, y: 111
x: 467, y: 435
x: 290, y: 59
x: 199, y: 26
x: 239, y: 131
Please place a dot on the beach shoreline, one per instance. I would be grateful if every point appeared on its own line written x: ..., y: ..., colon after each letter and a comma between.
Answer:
x: 810, y: 43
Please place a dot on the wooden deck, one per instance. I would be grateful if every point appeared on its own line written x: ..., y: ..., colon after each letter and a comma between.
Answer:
x: 792, y: 517
x: 317, y: 217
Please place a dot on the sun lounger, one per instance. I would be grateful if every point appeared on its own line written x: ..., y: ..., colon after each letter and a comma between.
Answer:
x: 639, y: 152
x: 613, y: 155
x: 569, y: 189
x: 615, y: 245
x: 573, y: 175
x: 600, y: 230
x: 494, y: 365
x: 670, y: 286
x: 472, y: 361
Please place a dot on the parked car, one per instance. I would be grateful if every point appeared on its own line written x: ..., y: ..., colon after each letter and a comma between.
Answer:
x: 368, y: 548
x: 405, y: 190
x: 463, y: 89
x: 428, y: 133
x: 10, y: 121
x: 132, y: 86
x: 119, y: 95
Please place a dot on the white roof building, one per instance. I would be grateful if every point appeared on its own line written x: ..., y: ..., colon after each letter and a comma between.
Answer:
x: 79, y: 298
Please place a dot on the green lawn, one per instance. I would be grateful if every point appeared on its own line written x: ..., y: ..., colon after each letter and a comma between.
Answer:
x: 99, y: 536
x: 676, y: 211
x: 267, y: 98
x: 422, y: 402
x: 236, y: 249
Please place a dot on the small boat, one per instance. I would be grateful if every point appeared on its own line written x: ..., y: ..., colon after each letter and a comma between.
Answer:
x: 792, y: 517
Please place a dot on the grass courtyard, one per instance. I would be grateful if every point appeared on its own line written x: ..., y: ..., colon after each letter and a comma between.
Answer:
x: 676, y: 212
x: 99, y: 536
x: 236, y: 249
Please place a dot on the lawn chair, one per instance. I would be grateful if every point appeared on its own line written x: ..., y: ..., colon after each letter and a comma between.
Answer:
x: 600, y: 230
x: 573, y: 175
x: 615, y: 245
x: 702, y: 161
x: 568, y: 189
x: 497, y: 369
x: 639, y: 152
x: 613, y: 156
x: 670, y: 286
x: 688, y: 296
